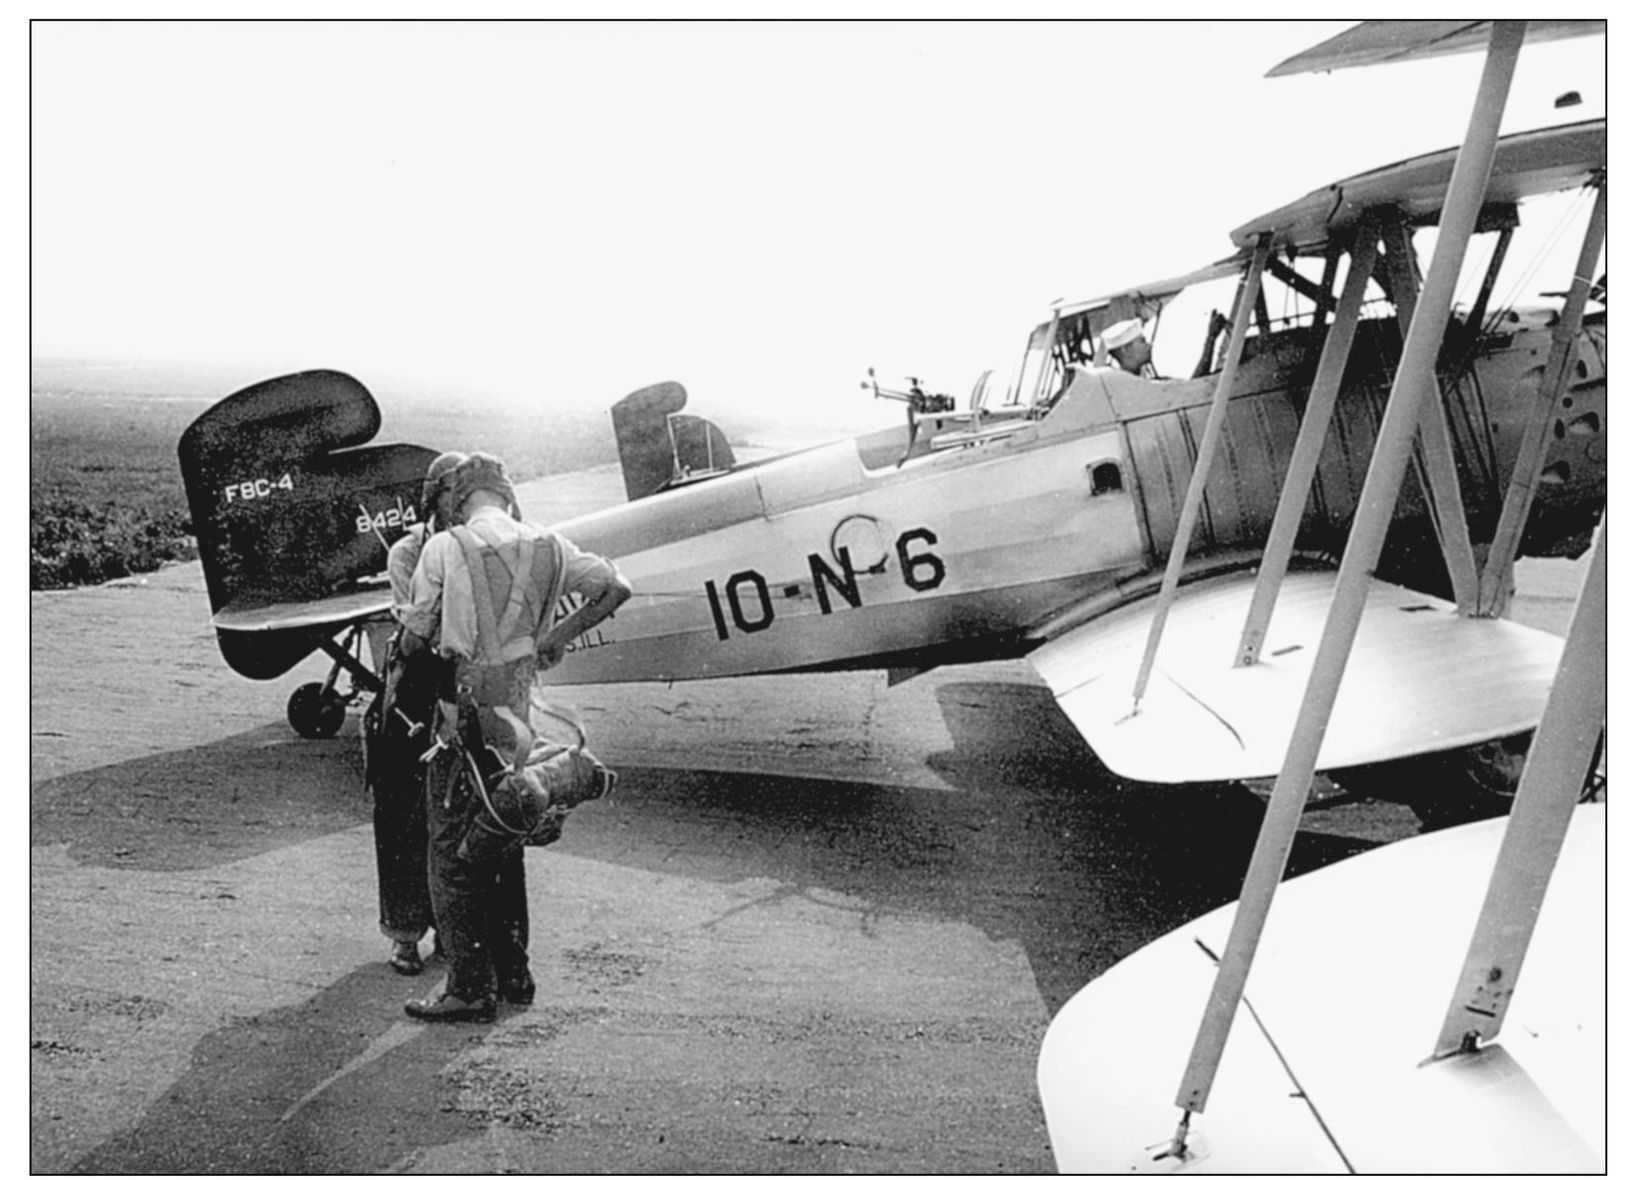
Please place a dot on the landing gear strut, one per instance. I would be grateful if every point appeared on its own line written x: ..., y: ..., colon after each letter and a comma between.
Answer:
x: 1446, y: 788
x: 315, y: 709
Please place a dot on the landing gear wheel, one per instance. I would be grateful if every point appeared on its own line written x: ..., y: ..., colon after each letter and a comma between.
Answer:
x: 315, y: 711
x: 1446, y: 788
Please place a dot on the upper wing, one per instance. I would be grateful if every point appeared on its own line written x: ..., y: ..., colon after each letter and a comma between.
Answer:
x: 1378, y: 42
x: 1421, y: 678
x: 1530, y: 164
x: 1162, y: 290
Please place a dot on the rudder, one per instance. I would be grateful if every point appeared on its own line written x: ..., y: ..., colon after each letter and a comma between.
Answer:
x: 287, y: 508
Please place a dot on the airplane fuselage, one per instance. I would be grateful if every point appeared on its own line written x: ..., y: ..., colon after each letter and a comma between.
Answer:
x: 860, y: 553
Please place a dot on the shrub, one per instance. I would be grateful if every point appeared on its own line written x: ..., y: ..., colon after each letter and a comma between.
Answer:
x: 72, y: 543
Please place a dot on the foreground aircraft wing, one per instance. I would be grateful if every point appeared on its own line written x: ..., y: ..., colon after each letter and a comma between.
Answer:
x: 1421, y: 678
x: 1328, y: 1077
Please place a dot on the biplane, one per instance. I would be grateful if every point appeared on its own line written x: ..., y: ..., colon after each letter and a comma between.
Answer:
x: 1056, y: 512
x: 1347, y: 1028
x: 1052, y: 523
x: 294, y: 517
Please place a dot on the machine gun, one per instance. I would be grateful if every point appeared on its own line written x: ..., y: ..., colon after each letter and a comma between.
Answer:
x: 917, y: 401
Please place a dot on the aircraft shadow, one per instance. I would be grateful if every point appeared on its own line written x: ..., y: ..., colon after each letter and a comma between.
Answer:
x: 1037, y: 842
x: 204, y: 806
x: 1111, y: 864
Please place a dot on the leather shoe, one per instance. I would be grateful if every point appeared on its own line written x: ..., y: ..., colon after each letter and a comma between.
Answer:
x: 447, y: 1009
x: 406, y: 958
x: 519, y: 991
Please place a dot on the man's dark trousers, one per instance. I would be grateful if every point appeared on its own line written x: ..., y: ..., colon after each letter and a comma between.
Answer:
x: 479, y: 906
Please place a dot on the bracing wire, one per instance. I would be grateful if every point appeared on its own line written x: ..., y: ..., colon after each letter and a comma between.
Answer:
x: 1546, y: 244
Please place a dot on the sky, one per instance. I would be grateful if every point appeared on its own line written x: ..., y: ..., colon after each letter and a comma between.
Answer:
x: 761, y: 211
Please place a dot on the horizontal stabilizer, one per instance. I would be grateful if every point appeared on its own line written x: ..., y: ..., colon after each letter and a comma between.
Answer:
x: 297, y: 616
x: 1421, y: 678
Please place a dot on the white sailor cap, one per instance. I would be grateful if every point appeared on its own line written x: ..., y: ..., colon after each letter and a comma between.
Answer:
x: 1122, y: 332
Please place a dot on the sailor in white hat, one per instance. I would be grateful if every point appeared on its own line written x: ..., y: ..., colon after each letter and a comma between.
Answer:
x: 1127, y: 347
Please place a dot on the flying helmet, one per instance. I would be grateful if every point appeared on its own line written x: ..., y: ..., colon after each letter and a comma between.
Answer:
x: 440, y: 474
x: 480, y: 472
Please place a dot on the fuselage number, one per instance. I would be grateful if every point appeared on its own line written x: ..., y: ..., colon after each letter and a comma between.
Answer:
x: 746, y: 604
x: 256, y: 489
x: 401, y: 516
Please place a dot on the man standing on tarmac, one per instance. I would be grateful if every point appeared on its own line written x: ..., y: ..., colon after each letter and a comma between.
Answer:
x: 397, y: 733
x: 486, y: 588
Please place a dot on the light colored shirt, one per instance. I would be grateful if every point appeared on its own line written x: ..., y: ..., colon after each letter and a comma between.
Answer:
x: 401, y: 566
x: 441, y: 590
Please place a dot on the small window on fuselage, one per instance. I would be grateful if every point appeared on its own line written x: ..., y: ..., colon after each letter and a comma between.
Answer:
x: 1104, y: 478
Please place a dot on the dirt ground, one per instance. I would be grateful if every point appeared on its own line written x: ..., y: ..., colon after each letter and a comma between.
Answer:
x: 821, y: 927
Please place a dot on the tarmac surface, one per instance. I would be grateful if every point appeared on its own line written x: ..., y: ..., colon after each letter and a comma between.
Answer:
x: 821, y: 926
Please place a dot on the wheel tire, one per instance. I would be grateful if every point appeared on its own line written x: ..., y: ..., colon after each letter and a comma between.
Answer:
x: 315, y: 711
x: 1446, y: 788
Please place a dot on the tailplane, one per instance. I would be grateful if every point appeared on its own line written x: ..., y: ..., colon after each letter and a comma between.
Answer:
x: 660, y: 446
x: 287, y: 505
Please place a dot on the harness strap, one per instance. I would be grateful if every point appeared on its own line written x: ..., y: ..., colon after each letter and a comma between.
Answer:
x: 496, y: 634
x: 521, y: 587
x: 523, y: 736
x: 569, y: 719
x: 483, y: 598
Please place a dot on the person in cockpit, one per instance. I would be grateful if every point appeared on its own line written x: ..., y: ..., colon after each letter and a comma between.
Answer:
x: 1127, y: 348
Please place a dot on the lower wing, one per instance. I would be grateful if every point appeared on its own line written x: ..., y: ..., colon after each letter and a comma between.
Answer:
x: 1420, y: 678
x: 1333, y: 1075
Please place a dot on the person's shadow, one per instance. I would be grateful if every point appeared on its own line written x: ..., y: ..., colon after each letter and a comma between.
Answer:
x: 336, y: 1084
x: 204, y: 806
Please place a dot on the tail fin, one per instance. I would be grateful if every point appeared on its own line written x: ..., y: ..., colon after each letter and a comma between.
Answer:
x: 661, y: 447
x: 285, y: 514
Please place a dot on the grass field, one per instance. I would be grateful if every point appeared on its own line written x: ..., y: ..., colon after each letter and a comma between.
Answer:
x: 105, y: 493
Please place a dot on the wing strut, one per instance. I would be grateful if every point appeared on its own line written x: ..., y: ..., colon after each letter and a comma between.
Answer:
x: 1384, y: 476
x: 1523, y: 480
x: 1556, y: 766
x: 1476, y: 323
x: 1252, y: 286
x: 1437, y: 465
x: 1312, y: 437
